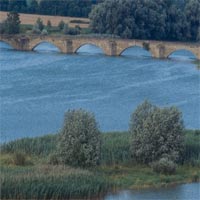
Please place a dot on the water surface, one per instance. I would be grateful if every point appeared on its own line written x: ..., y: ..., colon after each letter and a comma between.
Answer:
x: 180, y: 192
x: 38, y: 87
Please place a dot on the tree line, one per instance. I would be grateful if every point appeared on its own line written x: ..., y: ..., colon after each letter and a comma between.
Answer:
x: 173, y: 20
x: 74, y: 8
x: 148, y: 19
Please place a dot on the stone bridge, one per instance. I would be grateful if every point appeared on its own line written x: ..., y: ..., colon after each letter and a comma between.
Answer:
x: 110, y: 46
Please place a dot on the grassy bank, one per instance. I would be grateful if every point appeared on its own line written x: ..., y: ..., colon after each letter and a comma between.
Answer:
x: 26, y: 172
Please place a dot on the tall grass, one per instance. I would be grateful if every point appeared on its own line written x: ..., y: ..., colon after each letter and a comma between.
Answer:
x: 192, y: 147
x: 115, y: 147
x: 40, y: 146
x: 52, y: 182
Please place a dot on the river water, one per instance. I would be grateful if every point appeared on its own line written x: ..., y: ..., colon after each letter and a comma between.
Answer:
x: 38, y: 87
x: 180, y: 192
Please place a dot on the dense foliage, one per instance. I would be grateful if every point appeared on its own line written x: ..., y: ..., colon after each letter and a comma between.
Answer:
x: 164, y: 166
x: 79, y: 140
x: 75, y: 8
x: 148, y: 19
x: 157, y: 132
x: 11, y: 25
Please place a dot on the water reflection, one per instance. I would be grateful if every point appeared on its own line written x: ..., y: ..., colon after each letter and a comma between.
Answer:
x: 181, y: 192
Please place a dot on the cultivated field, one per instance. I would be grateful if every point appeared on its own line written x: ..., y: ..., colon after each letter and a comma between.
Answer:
x: 31, y: 19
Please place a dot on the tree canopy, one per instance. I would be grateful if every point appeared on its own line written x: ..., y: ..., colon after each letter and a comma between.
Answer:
x: 147, y: 19
x: 157, y: 133
x: 79, y: 140
x: 12, y: 24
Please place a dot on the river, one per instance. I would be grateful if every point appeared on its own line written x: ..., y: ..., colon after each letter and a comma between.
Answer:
x: 38, y: 87
x: 180, y: 192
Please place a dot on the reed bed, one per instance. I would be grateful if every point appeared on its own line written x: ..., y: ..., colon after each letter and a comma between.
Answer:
x: 51, y: 182
x: 115, y: 147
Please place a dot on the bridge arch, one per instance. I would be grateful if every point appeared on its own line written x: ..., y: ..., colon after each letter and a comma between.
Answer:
x: 46, y: 43
x: 99, y: 46
x: 135, y: 47
x: 8, y: 42
x: 92, y: 44
x: 34, y: 44
x: 184, y: 50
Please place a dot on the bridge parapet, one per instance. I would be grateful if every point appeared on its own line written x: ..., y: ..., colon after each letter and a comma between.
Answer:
x: 110, y: 46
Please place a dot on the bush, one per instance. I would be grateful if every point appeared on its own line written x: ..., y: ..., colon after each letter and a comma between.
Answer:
x: 79, y: 140
x: 53, y: 159
x: 44, y: 32
x: 164, y: 166
x: 19, y: 158
x: 156, y: 132
x: 61, y: 25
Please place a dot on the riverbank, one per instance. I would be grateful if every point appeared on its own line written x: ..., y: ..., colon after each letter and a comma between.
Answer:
x: 29, y: 169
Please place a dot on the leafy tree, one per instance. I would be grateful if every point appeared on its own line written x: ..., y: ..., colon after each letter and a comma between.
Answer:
x: 12, y: 23
x: 49, y: 24
x: 4, y: 5
x: 79, y: 140
x: 192, y: 11
x: 17, y: 6
x: 40, y: 24
x: 157, y: 133
x: 33, y: 7
x: 61, y: 25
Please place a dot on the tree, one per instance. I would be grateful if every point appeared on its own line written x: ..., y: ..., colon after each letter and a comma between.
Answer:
x: 17, y: 6
x: 192, y: 12
x: 12, y: 23
x: 157, y: 133
x: 49, y: 25
x: 79, y: 140
x: 61, y: 25
x: 33, y: 6
x: 40, y: 24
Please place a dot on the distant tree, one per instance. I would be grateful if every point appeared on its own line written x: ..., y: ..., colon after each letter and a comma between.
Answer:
x: 111, y: 17
x: 4, y: 5
x: 33, y: 6
x: 129, y: 18
x: 40, y: 24
x: 2, y: 27
x: 12, y: 23
x: 61, y: 25
x: 17, y: 6
x: 79, y: 140
x: 49, y: 24
x: 192, y: 12
x: 157, y: 133
x: 65, y: 29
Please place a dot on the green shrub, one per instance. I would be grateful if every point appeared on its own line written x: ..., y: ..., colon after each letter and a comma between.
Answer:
x: 19, y: 158
x: 53, y: 159
x: 79, y: 140
x: 61, y: 25
x: 156, y: 132
x: 164, y: 166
